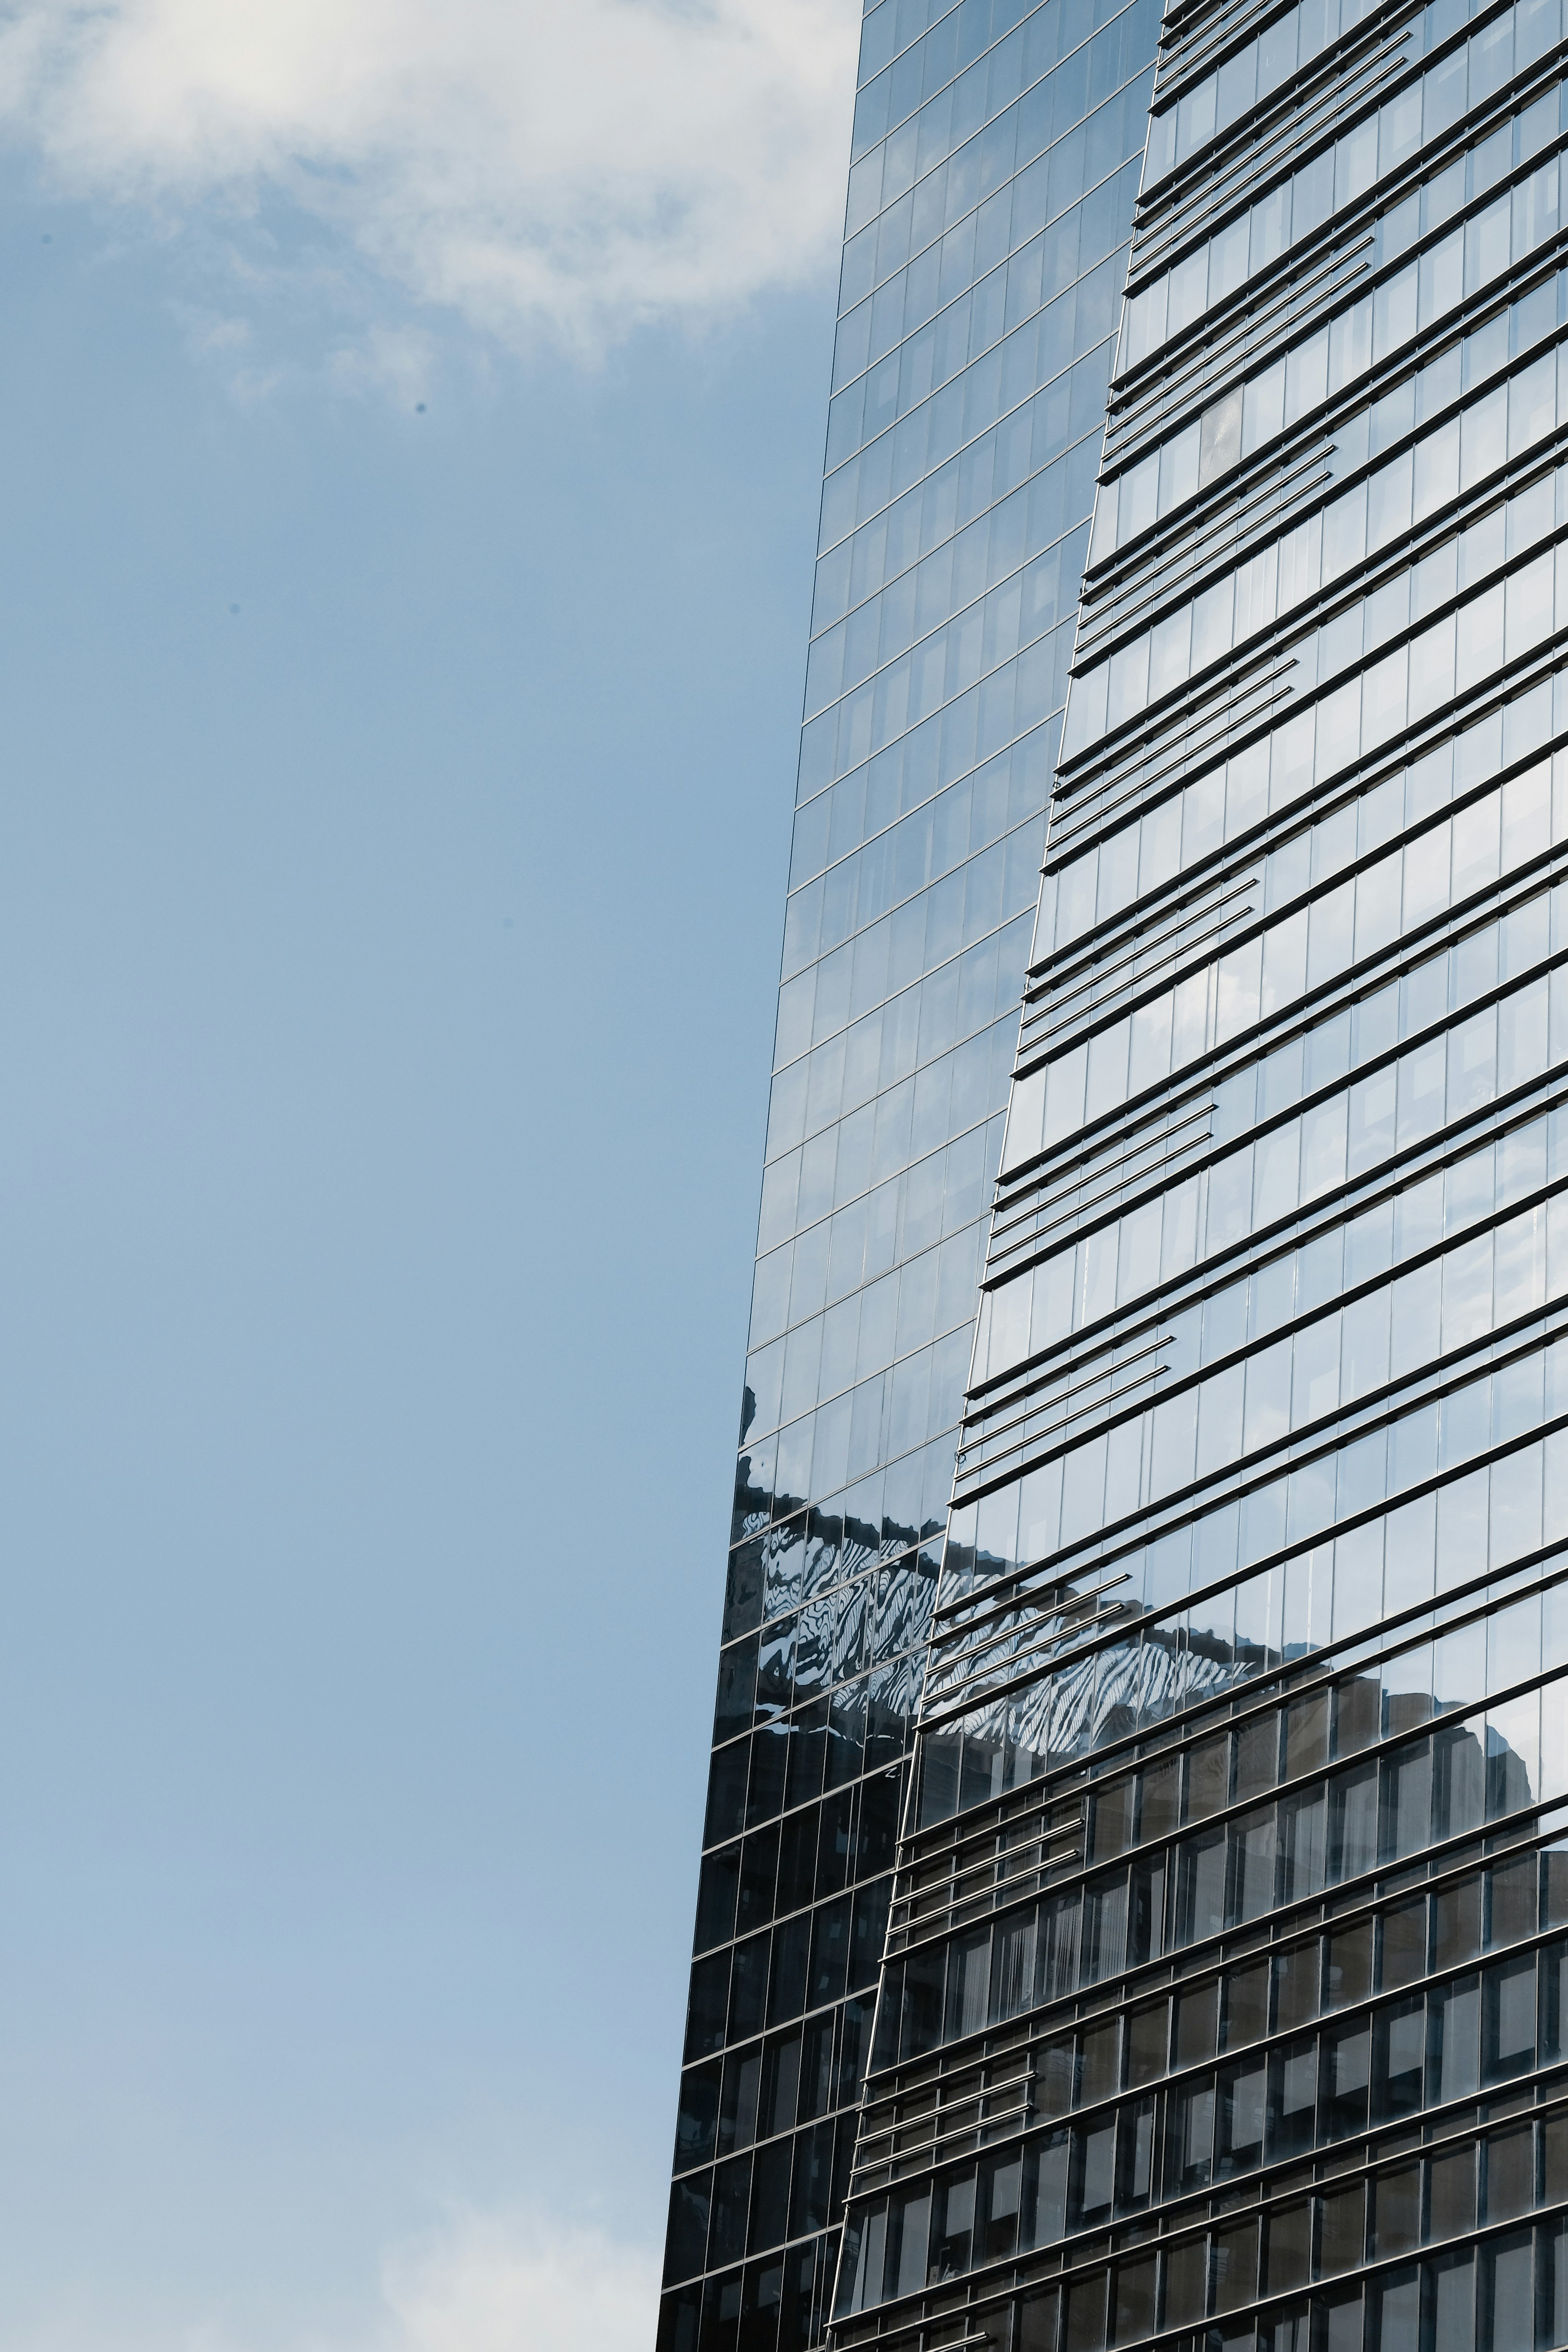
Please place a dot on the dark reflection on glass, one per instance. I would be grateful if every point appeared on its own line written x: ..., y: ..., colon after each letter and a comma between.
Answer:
x: 797, y: 1857
x: 759, y: 1877
x: 708, y: 2006
x: 686, y: 2243
x: 1399, y: 2058
x: 1348, y: 1977
x: 1396, y: 2206
x: 727, y: 1791
x: 1508, y: 2019
x: 737, y: 1690
x: 1403, y: 1937
x: 770, y: 2194
x: 737, y: 2108
x: 697, y: 2120
x: 817, y: 2085
x: 1509, y: 2159
x: 717, y: 1894
x: 791, y: 1961
x: 835, y: 1841
x: 722, y: 2313
x: 807, y: 1753
x: 1459, y: 1783
x: 780, y: 2085
x: 748, y: 1983
x: 765, y: 1785
x: 744, y: 1590
x: 731, y: 2199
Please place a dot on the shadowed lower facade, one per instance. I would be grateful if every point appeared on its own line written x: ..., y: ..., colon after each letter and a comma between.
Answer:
x: 1182, y: 1772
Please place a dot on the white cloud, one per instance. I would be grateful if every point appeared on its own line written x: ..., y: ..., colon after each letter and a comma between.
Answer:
x: 518, y: 2284
x: 565, y: 168
x: 513, y: 2279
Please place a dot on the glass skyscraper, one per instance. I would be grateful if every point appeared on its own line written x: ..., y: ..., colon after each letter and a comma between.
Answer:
x: 996, y: 154
x: 1132, y: 1907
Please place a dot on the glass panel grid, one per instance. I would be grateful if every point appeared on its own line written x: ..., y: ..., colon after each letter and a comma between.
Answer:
x: 1005, y: 169
x: 1222, y: 2002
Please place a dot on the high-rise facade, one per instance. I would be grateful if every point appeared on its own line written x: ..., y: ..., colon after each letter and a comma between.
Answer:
x: 1224, y: 1999
x: 996, y: 152
x: 1220, y: 1999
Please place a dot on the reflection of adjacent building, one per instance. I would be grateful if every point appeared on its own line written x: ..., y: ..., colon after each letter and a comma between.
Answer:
x: 824, y: 1619
x: 1010, y: 1915
x: 1223, y: 2003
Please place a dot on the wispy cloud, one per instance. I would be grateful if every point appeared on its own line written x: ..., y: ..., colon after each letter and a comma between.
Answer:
x: 556, y: 168
x: 516, y: 2283
x: 515, y: 2279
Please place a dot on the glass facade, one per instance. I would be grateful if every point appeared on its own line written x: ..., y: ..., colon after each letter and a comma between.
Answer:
x: 997, y: 149
x: 1224, y: 2002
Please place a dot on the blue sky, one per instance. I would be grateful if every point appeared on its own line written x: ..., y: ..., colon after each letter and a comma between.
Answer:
x: 387, y: 971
